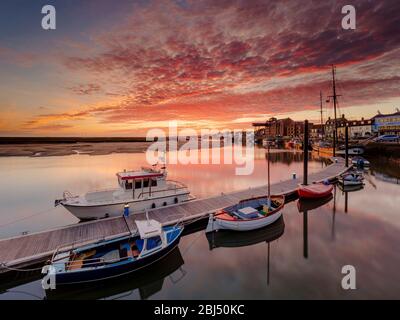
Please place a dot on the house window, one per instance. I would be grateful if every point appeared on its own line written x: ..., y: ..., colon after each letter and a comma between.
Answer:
x: 154, y: 183
x: 138, y: 184
x: 146, y: 183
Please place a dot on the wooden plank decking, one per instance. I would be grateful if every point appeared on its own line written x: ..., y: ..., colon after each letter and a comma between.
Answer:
x: 22, y: 251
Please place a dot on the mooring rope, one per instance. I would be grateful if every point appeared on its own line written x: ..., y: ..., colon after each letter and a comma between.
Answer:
x: 27, y: 217
x: 3, y: 265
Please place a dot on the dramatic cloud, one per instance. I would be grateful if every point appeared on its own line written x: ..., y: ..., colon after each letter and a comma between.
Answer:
x: 227, y: 61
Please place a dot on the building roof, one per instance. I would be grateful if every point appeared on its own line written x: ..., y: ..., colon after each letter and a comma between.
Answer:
x: 379, y: 115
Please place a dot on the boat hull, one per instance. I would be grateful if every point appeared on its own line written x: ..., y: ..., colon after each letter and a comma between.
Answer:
x: 351, y: 182
x: 246, y: 225
x: 123, y: 268
x: 314, y: 192
x: 91, y: 212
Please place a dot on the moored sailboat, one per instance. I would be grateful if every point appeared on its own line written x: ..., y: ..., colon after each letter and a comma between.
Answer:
x: 249, y: 214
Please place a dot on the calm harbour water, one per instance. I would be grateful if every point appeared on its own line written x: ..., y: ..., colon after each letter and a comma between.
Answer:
x: 299, y: 257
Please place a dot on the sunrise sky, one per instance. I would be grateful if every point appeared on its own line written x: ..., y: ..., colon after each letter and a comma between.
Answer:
x: 119, y: 68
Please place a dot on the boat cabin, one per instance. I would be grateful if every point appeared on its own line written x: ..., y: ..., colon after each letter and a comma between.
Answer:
x: 152, y: 236
x: 141, y: 182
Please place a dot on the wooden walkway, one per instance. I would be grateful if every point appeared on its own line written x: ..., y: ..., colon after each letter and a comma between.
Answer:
x: 23, y: 251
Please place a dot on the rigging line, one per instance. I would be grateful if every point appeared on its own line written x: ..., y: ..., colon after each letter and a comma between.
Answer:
x: 27, y: 217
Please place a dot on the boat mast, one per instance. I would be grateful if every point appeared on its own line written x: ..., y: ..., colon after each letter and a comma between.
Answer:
x: 334, y: 99
x: 322, y: 122
x: 268, y: 170
x: 334, y: 96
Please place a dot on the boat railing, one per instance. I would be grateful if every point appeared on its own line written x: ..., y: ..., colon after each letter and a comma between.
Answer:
x: 177, y: 186
x: 77, y: 244
x: 88, y: 262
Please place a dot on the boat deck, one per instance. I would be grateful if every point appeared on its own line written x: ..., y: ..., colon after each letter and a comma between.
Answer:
x: 26, y: 250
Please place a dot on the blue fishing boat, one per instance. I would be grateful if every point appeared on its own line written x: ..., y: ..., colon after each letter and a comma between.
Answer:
x: 112, y: 258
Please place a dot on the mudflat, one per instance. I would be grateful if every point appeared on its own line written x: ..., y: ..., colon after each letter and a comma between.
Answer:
x: 63, y: 149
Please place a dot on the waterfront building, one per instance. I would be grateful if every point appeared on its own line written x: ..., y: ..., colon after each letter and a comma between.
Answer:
x: 330, y: 125
x: 386, y: 123
x: 316, y: 131
x: 357, y: 128
x: 279, y: 127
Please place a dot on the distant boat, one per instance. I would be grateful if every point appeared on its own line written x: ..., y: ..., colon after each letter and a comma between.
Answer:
x: 351, y: 179
x: 112, y: 258
x: 360, y: 161
x: 314, y: 191
x: 142, y: 190
x: 352, y: 150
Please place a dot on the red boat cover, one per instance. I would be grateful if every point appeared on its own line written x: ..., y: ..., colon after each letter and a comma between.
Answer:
x: 316, y: 190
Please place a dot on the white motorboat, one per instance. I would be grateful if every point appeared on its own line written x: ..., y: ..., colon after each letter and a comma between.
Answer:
x: 141, y: 190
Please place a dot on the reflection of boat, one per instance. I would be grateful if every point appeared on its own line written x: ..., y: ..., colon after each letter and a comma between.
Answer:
x: 149, y: 281
x: 314, y: 191
x: 229, y: 239
x: 351, y: 179
x: 311, y: 204
x: 116, y: 257
x: 351, y: 188
x: 352, y: 150
x: 141, y: 190
x: 250, y: 214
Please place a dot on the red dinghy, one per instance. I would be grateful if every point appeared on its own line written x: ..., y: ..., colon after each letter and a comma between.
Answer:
x: 314, y: 191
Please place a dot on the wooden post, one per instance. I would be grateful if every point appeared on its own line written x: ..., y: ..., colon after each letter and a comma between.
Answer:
x: 268, y: 172
x: 305, y: 151
x: 347, y: 145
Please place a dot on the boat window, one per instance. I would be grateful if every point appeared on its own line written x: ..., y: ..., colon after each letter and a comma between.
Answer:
x: 146, y: 183
x: 153, y: 243
x: 128, y: 185
x: 138, y: 184
x: 154, y: 183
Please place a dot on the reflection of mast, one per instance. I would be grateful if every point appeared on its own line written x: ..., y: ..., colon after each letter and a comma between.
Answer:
x: 305, y: 234
x: 268, y: 264
x: 269, y: 188
x: 346, y: 201
x: 334, y: 213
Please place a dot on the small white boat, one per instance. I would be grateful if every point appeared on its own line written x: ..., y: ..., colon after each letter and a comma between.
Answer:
x: 250, y: 214
x: 360, y: 161
x: 351, y: 151
x: 351, y: 179
x: 141, y: 190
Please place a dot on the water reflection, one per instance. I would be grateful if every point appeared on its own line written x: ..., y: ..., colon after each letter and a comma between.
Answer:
x: 148, y: 282
x: 300, y: 259
x: 305, y: 205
